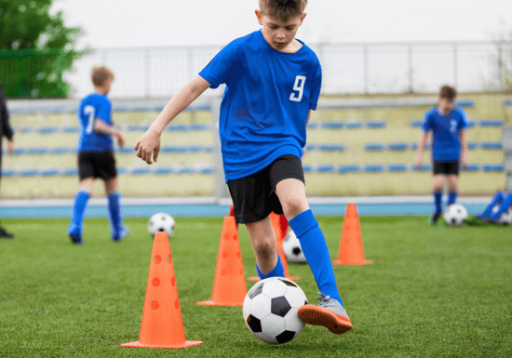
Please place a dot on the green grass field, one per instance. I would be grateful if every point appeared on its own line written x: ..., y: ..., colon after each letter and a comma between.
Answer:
x: 431, y: 292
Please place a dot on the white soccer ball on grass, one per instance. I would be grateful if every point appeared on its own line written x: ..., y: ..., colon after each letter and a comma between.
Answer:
x: 455, y: 215
x: 292, y: 248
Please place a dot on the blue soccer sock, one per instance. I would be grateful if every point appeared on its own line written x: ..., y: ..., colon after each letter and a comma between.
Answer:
x: 497, y: 200
x: 115, y: 215
x: 452, y: 198
x: 438, y: 202
x: 277, y: 271
x: 505, y: 205
x: 315, y: 250
x: 78, y: 213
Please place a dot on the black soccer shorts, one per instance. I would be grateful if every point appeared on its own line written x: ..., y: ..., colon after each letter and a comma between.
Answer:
x: 254, y: 196
x: 97, y: 165
x: 446, y: 168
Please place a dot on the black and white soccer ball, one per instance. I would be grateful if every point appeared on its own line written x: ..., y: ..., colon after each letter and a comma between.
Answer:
x: 455, y: 215
x: 292, y: 248
x: 505, y: 218
x: 270, y: 310
x: 161, y: 222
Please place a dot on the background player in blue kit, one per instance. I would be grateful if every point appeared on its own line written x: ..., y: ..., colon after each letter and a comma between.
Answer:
x: 272, y: 84
x: 448, y: 125
x: 96, y: 156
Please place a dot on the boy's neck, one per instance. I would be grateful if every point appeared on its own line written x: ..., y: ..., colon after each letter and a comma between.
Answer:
x: 100, y: 90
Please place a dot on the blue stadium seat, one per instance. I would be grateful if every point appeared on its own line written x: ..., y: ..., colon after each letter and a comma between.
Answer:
x: 373, y: 168
x: 313, y: 125
x: 415, y: 123
x: 140, y: 171
x: 36, y: 150
x: 507, y: 103
x: 472, y: 168
x: 163, y: 170
x: 177, y: 128
x: 424, y: 168
x: 350, y: 168
x: 376, y: 124
x: 397, y: 168
x: 49, y: 172
x: 398, y: 146
x: 332, y: 147
x: 8, y: 172
x: 61, y: 150
x: 199, y: 127
x: 137, y: 128
x: 122, y: 170
x: 186, y: 170
x: 472, y: 145
x: 333, y: 125
x: 414, y: 145
x: 491, y: 123
x: 471, y: 123
x: 465, y: 103
x: 28, y: 172
x: 124, y: 150
x: 327, y: 168
x: 70, y: 129
x: 311, y: 147
x: 354, y: 125
x: 374, y: 147
x: 208, y: 170
x: 493, y: 168
x: 71, y: 172
x: 491, y: 145
x: 48, y: 130
x: 308, y: 168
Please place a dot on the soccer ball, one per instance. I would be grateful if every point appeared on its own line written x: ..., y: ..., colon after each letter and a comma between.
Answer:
x: 161, y: 222
x: 270, y: 310
x: 505, y: 218
x: 292, y: 248
x: 455, y: 215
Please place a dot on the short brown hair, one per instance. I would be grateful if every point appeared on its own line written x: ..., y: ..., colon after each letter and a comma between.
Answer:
x: 448, y: 92
x: 99, y: 74
x: 283, y: 9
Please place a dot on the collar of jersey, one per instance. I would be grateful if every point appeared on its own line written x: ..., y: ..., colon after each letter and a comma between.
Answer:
x: 271, y: 49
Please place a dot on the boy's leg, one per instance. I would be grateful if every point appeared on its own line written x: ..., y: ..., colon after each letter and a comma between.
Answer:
x: 497, y: 200
x: 263, y: 240
x: 437, y: 192
x: 505, y: 205
x: 330, y: 313
x: 453, y: 189
x: 75, y: 229
x: 115, y: 209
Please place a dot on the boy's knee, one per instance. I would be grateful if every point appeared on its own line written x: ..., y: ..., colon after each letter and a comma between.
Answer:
x: 263, y: 247
x: 294, y: 205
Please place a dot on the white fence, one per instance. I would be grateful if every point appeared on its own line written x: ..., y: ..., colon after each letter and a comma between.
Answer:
x: 347, y: 67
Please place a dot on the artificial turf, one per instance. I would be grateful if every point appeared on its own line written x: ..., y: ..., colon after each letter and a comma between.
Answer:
x: 431, y: 292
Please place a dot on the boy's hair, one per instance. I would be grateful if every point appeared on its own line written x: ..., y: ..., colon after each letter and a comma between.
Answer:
x: 283, y: 9
x: 448, y: 92
x: 99, y: 74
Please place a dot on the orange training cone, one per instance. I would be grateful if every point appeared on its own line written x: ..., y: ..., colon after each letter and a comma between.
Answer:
x: 229, y: 288
x: 351, y: 245
x: 276, y: 224
x: 162, y: 326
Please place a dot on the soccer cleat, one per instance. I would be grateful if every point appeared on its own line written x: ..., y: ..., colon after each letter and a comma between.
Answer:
x: 434, y: 218
x: 124, y: 234
x: 74, y: 234
x: 479, y: 221
x: 328, y: 313
x: 5, y: 235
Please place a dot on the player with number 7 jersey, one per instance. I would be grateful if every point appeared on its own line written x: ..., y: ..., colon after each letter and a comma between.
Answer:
x: 272, y: 83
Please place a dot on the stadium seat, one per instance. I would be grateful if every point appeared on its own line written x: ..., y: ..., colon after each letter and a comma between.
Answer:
x: 472, y: 145
x: 491, y: 123
x: 472, y: 168
x: 332, y: 147
x: 493, y: 168
x: 333, y: 125
x: 465, y: 103
x: 308, y: 169
x: 398, y: 146
x: 415, y: 123
x: 376, y: 124
x: 491, y: 145
x: 374, y: 147
x: 373, y: 168
x: 354, y: 125
x: 424, y: 168
x: 49, y: 172
x: 351, y: 168
x: 325, y: 168
x: 397, y: 168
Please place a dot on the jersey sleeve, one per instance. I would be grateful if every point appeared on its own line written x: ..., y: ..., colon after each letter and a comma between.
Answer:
x: 463, y: 122
x: 105, y: 111
x: 316, y: 86
x: 426, y: 123
x: 222, y: 67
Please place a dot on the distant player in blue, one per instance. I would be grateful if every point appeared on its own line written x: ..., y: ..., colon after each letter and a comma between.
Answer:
x: 448, y: 125
x: 272, y: 84
x: 96, y: 156
x: 500, y: 204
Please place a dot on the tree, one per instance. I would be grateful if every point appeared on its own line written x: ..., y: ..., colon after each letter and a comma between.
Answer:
x: 35, y: 49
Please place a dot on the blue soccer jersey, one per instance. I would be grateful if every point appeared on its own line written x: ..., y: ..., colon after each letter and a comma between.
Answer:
x: 91, y: 107
x: 266, y: 103
x: 445, y: 133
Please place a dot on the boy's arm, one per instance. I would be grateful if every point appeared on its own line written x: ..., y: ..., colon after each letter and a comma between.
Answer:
x: 463, y: 135
x: 149, y: 144
x: 421, y: 148
x: 102, y: 127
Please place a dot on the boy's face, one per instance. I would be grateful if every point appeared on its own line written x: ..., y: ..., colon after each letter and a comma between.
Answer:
x: 277, y: 33
x: 446, y: 104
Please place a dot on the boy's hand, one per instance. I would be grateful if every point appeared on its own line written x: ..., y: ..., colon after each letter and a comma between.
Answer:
x: 464, y: 160
x: 120, y: 139
x: 148, y: 145
x: 10, y: 146
x: 419, y: 160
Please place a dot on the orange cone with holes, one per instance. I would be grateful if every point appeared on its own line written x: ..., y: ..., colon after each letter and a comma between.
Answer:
x: 229, y: 287
x: 276, y: 224
x: 351, y: 245
x: 162, y: 326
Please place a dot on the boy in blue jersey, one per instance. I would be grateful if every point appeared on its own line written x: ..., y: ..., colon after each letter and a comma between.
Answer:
x: 96, y: 156
x: 448, y: 125
x: 500, y: 204
x: 272, y: 84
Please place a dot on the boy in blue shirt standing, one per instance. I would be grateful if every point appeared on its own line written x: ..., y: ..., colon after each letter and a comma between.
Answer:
x: 448, y: 125
x: 96, y: 156
x: 272, y: 84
